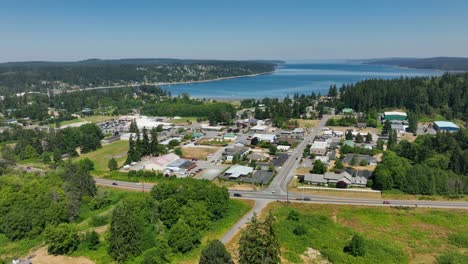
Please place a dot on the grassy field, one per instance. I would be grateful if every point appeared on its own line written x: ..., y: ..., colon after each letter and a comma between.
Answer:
x: 306, y: 123
x: 183, y: 120
x: 198, y: 152
x: 101, y: 157
x: 392, y: 235
x: 92, y: 119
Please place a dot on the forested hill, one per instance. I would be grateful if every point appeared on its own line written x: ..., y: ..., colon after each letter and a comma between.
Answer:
x: 438, y: 63
x: 446, y: 95
x: 44, y: 76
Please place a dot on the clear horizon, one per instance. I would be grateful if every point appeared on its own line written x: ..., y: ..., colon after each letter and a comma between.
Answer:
x: 53, y: 30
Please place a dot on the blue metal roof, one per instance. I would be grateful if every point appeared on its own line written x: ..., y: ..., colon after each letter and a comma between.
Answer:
x: 446, y: 124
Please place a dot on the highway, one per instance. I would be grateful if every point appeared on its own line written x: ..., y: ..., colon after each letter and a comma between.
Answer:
x: 293, y: 197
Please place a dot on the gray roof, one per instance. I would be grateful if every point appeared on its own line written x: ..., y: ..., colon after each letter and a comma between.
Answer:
x: 359, y: 157
x: 315, y: 178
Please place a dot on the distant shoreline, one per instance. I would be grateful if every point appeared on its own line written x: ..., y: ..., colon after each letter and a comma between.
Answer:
x: 172, y: 83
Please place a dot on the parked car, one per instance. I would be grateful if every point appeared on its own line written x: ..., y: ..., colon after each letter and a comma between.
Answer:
x: 237, y: 195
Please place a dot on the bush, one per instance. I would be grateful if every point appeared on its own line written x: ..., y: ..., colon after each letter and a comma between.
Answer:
x: 300, y: 230
x: 98, y: 220
x: 459, y: 239
x: 62, y: 239
x: 91, y: 240
x: 452, y: 258
x: 356, y: 246
x: 293, y: 215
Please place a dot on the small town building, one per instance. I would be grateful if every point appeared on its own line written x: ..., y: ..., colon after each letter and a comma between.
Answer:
x: 265, y: 137
x: 108, y: 140
x: 229, y: 137
x: 230, y: 153
x: 359, y: 159
x: 347, y: 111
x: 349, y: 143
x: 180, y: 166
x: 319, y: 148
x: 259, y: 128
x: 334, y: 178
x: 237, y: 171
x: 283, y: 147
x: 197, y: 135
x: 446, y: 126
x: 399, y: 116
x: 298, y: 131
x: 160, y: 163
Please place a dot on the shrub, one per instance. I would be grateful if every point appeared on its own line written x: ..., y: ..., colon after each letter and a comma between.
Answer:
x: 300, y: 230
x: 356, y: 246
x: 459, y: 239
x: 62, y: 239
x: 99, y: 220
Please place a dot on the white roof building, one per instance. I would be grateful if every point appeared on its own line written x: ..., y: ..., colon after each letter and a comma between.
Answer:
x: 283, y: 147
x: 265, y: 137
x: 238, y: 170
x: 160, y: 163
x: 319, y: 148
x: 259, y: 128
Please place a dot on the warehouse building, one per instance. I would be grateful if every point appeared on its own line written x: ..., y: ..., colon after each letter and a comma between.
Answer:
x: 395, y: 116
x: 446, y: 126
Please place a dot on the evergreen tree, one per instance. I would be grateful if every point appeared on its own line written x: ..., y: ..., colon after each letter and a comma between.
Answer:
x: 258, y: 243
x: 126, y: 231
x: 412, y: 123
x: 183, y: 238
x: 112, y: 164
x: 154, y: 145
x: 359, y: 138
x: 369, y: 137
x: 145, y: 143
x: 387, y: 127
x: 215, y: 253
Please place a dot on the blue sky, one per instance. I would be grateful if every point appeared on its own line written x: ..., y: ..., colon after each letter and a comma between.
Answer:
x: 240, y: 29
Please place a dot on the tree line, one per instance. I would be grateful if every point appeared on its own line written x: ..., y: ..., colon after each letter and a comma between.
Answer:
x: 430, y: 165
x: 34, y: 143
x: 44, y: 76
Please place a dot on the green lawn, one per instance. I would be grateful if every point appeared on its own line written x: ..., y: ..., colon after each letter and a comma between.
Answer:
x: 183, y: 120
x: 392, y: 235
x: 101, y: 157
x: 92, y: 119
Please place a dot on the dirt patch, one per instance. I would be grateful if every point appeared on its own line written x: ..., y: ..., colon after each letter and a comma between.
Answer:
x: 306, y: 123
x: 302, y: 170
x: 42, y: 257
x: 313, y: 256
x: 370, y: 195
x: 198, y: 152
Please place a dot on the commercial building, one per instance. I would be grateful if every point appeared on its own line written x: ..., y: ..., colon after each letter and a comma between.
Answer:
x: 160, y: 163
x: 265, y: 137
x: 446, y: 126
x: 237, y: 171
x: 395, y: 116
x: 319, y: 148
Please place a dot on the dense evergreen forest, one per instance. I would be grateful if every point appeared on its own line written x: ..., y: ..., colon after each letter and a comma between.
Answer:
x: 44, y: 76
x: 438, y: 63
x: 446, y: 95
x: 430, y: 165
x: 33, y: 143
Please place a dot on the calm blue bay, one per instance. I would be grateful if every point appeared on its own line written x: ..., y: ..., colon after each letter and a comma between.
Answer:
x: 293, y: 78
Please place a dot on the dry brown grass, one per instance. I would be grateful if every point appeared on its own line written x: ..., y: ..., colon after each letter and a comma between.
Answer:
x: 306, y: 123
x: 42, y: 257
x: 302, y: 170
x: 345, y: 194
x: 232, y: 185
x: 198, y: 152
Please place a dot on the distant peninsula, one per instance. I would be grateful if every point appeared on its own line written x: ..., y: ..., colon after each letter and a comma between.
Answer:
x: 44, y: 76
x: 436, y: 63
